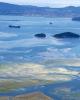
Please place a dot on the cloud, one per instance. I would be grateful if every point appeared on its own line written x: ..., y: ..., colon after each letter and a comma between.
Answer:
x: 28, y: 43
x: 36, y: 71
x: 7, y: 35
x: 59, y: 53
x: 73, y: 62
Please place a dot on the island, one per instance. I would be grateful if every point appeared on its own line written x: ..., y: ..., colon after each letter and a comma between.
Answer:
x: 41, y: 35
x: 14, y: 26
x: 76, y: 19
x: 66, y: 35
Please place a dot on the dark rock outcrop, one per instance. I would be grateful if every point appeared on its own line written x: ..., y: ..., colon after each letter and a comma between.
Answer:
x: 66, y: 35
x: 12, y: 26
x: 50, y: 23
x: 76, y: 19
x: 41, y: 35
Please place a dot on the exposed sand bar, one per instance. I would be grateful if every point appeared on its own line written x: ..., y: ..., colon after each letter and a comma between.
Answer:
x: 33, y: 96
x: 30, y: 96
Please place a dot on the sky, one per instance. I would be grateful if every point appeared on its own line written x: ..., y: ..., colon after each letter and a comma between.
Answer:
x: 48, y: 3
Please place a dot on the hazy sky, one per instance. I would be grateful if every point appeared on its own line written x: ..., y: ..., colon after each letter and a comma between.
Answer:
x: 50, y: 3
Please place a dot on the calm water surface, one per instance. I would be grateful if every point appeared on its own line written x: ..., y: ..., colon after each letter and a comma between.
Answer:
x: 59, y: 59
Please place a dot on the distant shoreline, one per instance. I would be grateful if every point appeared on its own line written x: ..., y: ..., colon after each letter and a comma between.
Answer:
x: 29, y: 10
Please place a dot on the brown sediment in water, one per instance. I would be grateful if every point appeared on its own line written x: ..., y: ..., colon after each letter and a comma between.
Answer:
x: 33, y: 96
x: 30, y: 96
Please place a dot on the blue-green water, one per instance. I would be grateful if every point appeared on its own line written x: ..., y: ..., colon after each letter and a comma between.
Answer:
x: 59, y: 59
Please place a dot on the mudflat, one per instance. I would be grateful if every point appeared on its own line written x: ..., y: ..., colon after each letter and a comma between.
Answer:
x: 33, y: 96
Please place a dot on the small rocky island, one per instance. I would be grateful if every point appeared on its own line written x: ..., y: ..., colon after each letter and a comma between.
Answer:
x: 41, y: 35
x: 50, y: 23
x: 14, y: 26
x: 67, y: 35
x: 76, y: 19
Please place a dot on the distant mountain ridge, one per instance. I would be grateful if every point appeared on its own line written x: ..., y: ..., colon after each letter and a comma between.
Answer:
x: 28, y: 10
